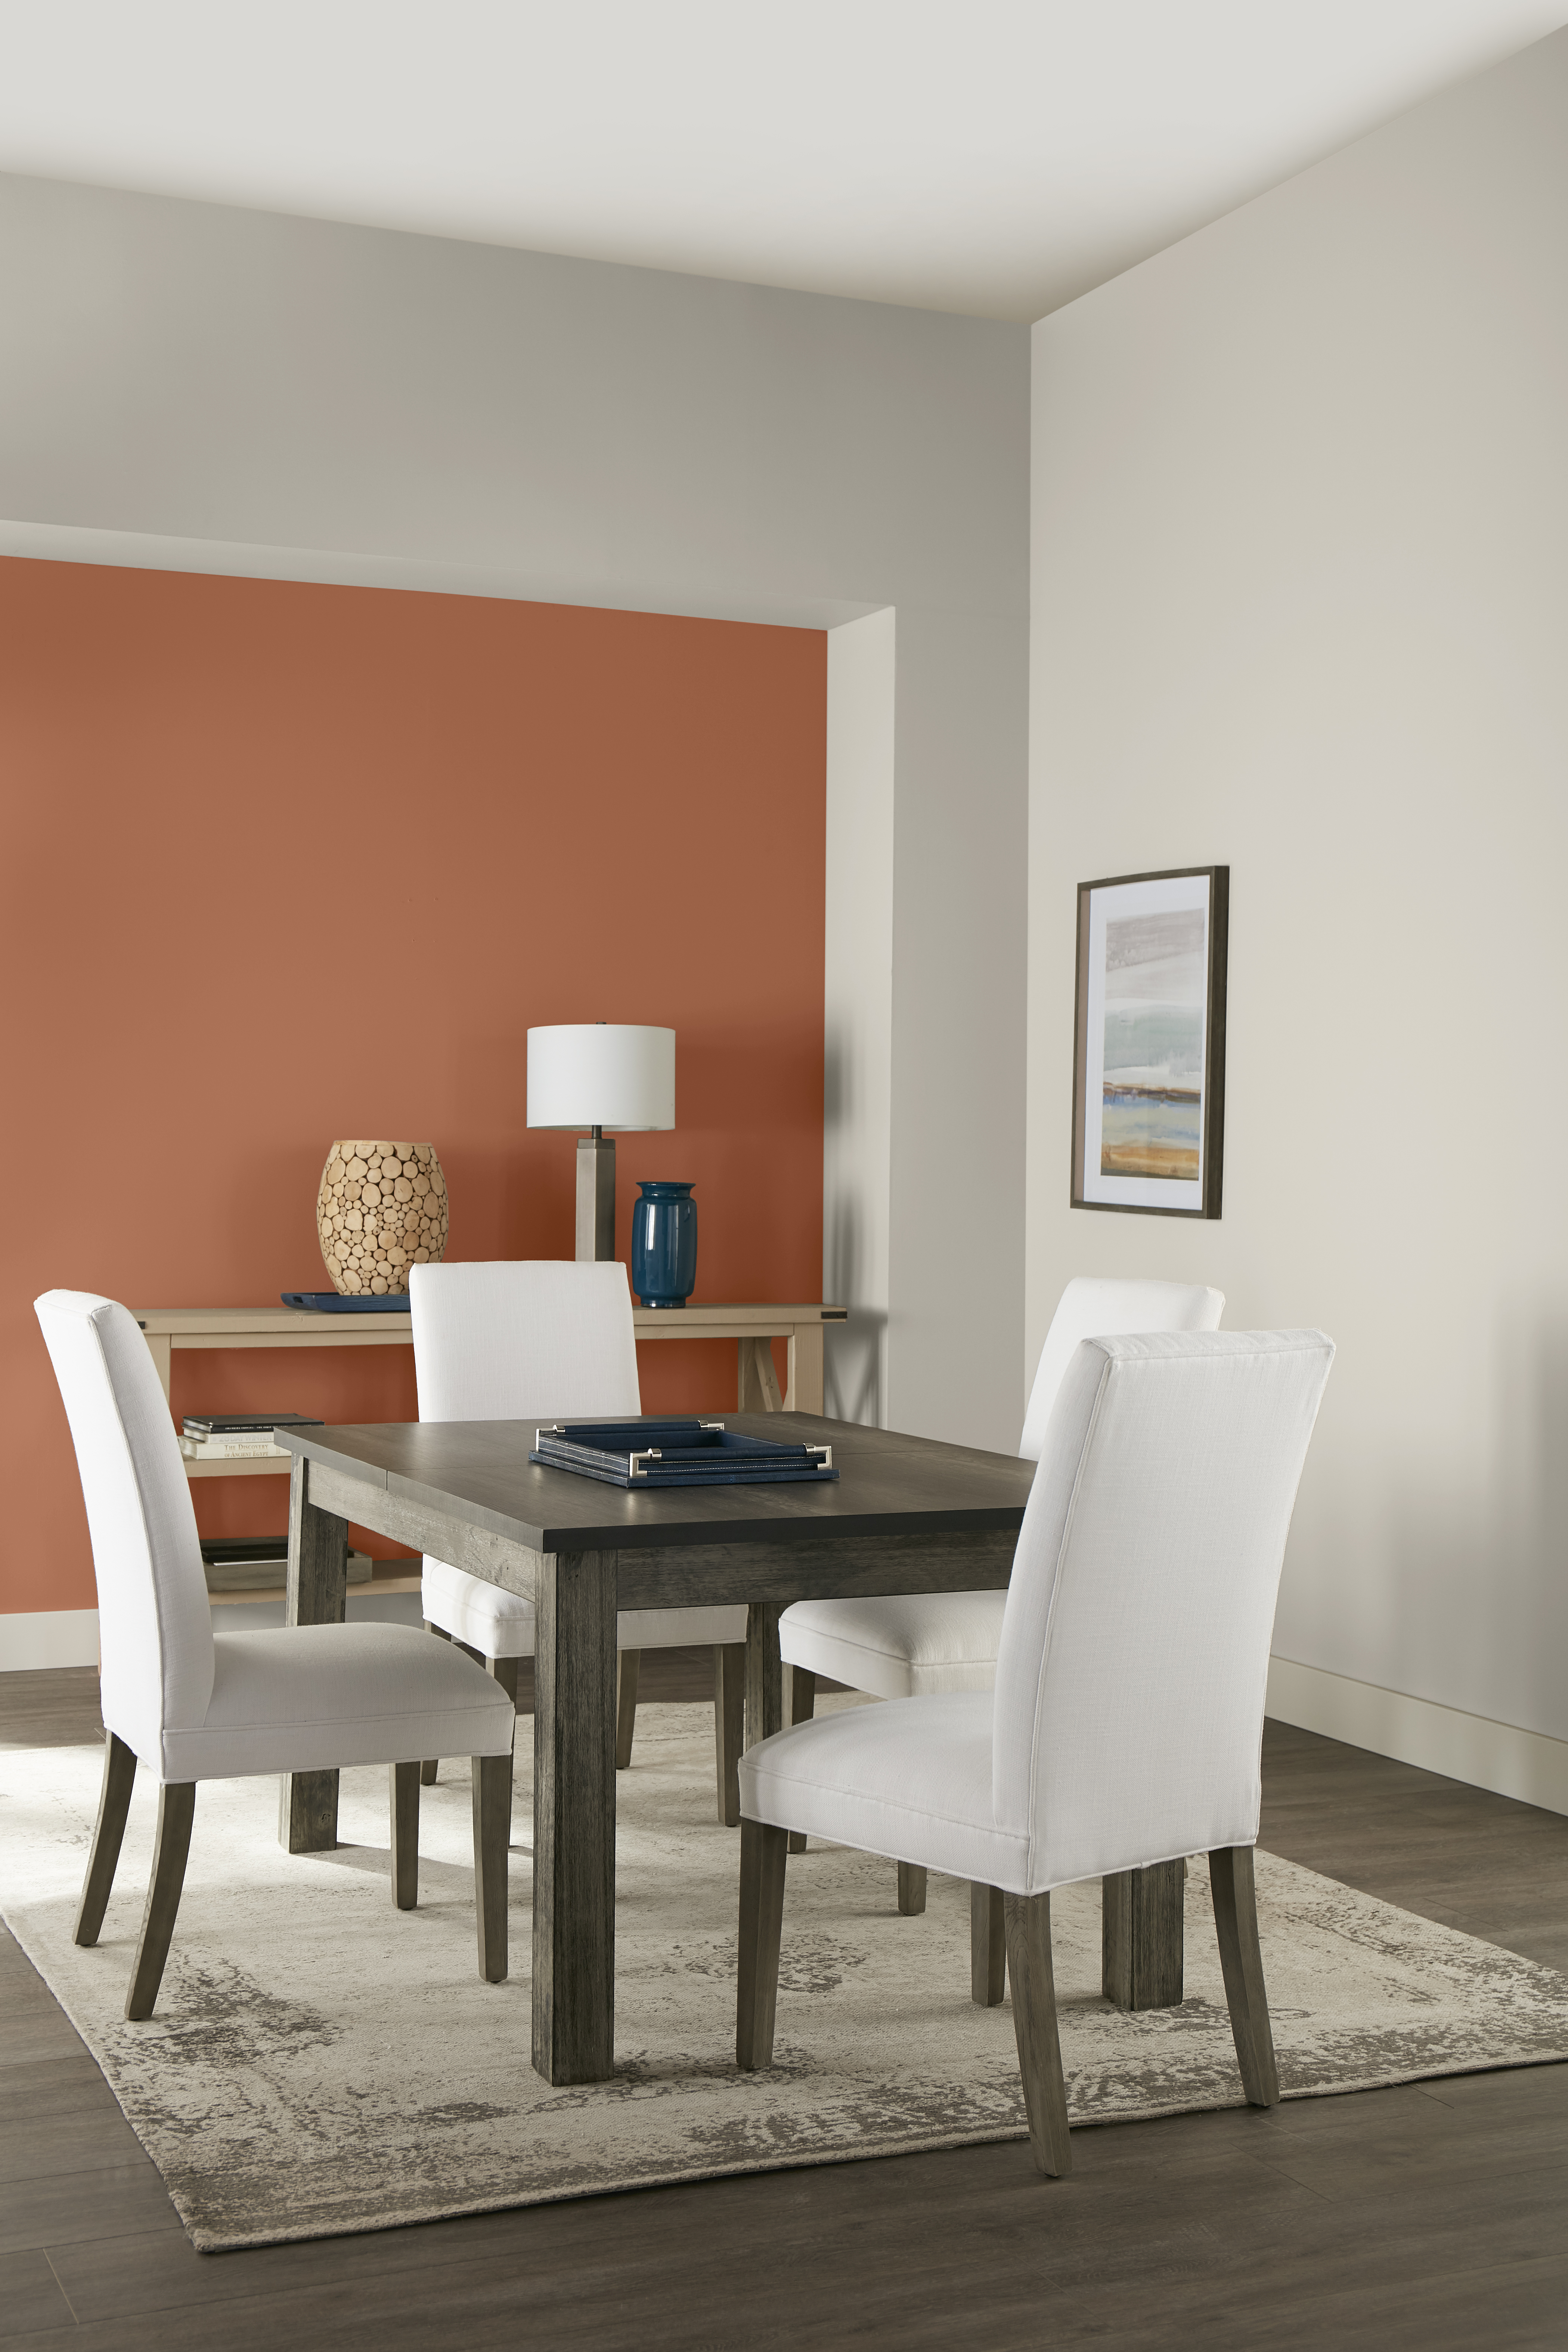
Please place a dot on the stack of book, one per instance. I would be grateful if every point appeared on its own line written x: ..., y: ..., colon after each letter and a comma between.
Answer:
x: 260, y: 1564
x: 238, y: 1436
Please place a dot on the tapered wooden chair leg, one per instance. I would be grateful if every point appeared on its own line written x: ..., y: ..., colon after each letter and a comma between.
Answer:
x: 987, y: 1946
x: 729, y: 1725
x: 427, y: 1769
x: 802, y: 1708
x: 803, y: 1694
x: 763, y: 1853
x: 505, y: 1670
x: 492, y: 1837
x: 627, y: 1664
x: 402, y: 1793
x: 176, y: 1809
x: 1028, y: 1924
x: 113, y: 1805
x: 1230, y: 1878
x: 911, y: 1889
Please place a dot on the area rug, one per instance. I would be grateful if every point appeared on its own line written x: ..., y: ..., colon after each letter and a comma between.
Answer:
x: 320, y: 2062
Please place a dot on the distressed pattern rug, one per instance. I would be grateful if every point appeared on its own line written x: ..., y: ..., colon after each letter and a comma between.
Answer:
x: 319, y: 2062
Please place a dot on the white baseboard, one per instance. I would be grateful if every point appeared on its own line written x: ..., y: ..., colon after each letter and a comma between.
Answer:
x: 49, y: 1637
x: 1529, y: 1765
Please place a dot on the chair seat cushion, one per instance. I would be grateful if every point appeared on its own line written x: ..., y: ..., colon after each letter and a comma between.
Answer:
x: 898, y: 1645
x: 501, y: 1624
x: 911, y: 1779
x: 306, y: 1697
x: 497, y: 1624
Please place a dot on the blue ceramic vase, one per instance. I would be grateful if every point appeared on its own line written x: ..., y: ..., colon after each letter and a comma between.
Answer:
x: 664, y: 1244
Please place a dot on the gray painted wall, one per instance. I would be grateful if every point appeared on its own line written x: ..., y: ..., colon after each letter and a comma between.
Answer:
x: 589, y: 433
x: 200, y: 388
x: 858, y: 992
x: 1300, y: 568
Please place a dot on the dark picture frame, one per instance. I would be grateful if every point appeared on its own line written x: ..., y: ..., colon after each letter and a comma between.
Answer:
x: 1148, y: 1043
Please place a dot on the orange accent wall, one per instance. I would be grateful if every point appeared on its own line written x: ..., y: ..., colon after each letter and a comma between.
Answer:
x: 285, y: 863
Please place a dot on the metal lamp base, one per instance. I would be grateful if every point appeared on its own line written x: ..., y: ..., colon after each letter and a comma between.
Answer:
x: 595, y: 1199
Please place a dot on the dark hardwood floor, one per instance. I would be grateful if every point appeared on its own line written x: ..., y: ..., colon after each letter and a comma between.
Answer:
x: 1430, y: 2216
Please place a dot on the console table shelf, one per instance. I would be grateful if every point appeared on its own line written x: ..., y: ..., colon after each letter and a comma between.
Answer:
x: 264, y: 1465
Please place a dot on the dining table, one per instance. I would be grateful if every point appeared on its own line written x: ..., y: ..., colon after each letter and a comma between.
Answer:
x: 906, y: 1514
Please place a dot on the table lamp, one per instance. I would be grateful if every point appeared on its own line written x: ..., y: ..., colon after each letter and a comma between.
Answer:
x: 599, y: 1075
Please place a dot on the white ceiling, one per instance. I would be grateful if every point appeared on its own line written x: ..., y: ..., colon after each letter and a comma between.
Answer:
x: 991, y: 156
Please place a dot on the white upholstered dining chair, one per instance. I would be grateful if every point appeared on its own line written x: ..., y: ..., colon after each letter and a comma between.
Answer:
x: 905, y: 1645
x: 533, y: 1340
x: 192, y: 1704
x: 1125, y: 1727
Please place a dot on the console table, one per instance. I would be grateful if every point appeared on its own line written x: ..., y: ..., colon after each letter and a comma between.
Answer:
x: 751, y: 1327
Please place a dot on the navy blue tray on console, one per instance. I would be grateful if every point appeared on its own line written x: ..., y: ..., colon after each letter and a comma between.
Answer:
x: 331, y: 1302
x: 675, y: 1453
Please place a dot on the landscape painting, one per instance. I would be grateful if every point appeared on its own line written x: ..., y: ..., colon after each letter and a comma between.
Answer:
x: 1156, y: 986
x: 1149, y: 1070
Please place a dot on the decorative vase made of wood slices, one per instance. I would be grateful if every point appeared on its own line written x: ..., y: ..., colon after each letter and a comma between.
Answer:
x: 382, y: 1209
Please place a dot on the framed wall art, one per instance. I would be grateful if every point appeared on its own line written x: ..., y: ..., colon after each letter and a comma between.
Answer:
x: 1148, y: 1063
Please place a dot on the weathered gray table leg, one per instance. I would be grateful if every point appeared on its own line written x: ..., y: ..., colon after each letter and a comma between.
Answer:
x: 1141, y: 1940
x: 317, y: 1594
x: 574, y: 1817
x: 764, y: 1672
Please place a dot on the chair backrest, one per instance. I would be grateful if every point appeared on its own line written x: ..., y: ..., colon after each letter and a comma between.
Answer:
x: 1092, y: 1307
x: 523, y: 1340
x: 154, y: 1621
x: 1134, y: 1655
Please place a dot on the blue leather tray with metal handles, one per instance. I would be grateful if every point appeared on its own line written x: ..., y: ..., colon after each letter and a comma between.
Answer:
x: 675, y: 1453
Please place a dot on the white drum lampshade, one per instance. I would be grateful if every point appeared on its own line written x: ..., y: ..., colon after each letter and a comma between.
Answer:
x: 594, y: 1074
x: 601, y: 1074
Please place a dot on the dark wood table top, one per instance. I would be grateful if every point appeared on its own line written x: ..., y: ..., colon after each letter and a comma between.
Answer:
x: 480, y: 1471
